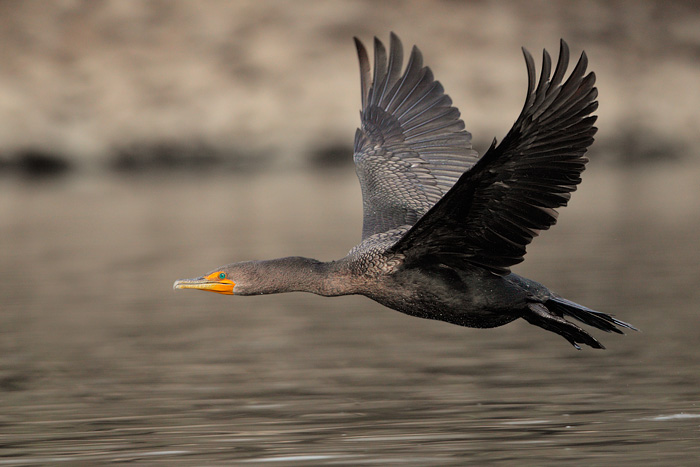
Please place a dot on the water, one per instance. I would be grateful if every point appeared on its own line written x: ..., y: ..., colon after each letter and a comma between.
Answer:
x: 100, y: 361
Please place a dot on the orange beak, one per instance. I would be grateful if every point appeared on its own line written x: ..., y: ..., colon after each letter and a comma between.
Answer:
x: 212, y: 283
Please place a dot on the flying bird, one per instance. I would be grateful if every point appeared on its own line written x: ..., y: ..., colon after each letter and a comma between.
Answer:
x: 442, y: 227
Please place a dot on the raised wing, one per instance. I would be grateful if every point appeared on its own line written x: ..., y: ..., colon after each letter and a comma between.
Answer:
x: 496, y: 208
x: 412, y: 145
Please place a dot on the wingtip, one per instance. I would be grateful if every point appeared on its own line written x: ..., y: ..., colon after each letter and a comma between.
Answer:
x: 360, y: 46
x: 417, y: 56
x: 364, y: 70
x: 529, y: 60
x: 396, y: 47
x: 581, y: 65
x: 545, y: 55
x: 563, y: 45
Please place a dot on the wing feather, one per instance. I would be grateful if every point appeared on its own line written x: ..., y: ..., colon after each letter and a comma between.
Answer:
x: 496, y: 208
x: 412, y: 146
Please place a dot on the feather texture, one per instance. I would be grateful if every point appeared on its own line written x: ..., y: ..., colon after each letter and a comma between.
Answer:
x: 498, y: 206
x: 412, y: 145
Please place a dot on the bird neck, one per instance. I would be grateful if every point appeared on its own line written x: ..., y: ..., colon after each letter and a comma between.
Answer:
x: 299, y: 274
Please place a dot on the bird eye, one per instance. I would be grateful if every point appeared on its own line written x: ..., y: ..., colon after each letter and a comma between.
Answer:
x: 222, y: 275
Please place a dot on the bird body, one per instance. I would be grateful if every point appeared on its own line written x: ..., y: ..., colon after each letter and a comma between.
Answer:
x: 442, y: 226
x: 467, y: 297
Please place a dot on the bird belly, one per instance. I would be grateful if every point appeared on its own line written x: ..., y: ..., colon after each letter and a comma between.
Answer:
x: 475, y: 304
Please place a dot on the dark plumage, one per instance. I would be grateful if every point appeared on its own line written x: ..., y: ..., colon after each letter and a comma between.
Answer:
x: 442, y: 227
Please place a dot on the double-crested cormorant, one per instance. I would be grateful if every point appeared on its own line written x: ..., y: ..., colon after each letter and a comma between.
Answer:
x: 442, y: 226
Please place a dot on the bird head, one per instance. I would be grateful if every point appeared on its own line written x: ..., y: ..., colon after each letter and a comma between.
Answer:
x: 218, y: 280
x: 244, y: 278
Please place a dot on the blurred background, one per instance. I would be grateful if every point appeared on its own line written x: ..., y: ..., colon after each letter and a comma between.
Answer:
x: 143, y: 84
x: 147, y: 141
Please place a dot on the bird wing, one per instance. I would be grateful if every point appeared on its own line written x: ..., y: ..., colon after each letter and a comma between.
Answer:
x: 412, y: 145
x: 496, y: 208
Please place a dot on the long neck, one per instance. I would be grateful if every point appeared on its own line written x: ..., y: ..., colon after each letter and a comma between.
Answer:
x: 298, y: 274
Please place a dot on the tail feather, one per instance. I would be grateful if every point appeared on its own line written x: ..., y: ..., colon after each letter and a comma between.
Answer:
x: 550, y: 316
x: 563, y: 307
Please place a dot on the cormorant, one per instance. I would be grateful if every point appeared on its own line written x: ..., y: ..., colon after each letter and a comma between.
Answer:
x: 442, y: 226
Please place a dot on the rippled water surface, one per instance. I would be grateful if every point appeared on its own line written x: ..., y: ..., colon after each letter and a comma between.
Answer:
x: 101, y: 361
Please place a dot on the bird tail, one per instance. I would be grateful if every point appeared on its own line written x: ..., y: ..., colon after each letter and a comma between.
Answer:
x: 550, y: 316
